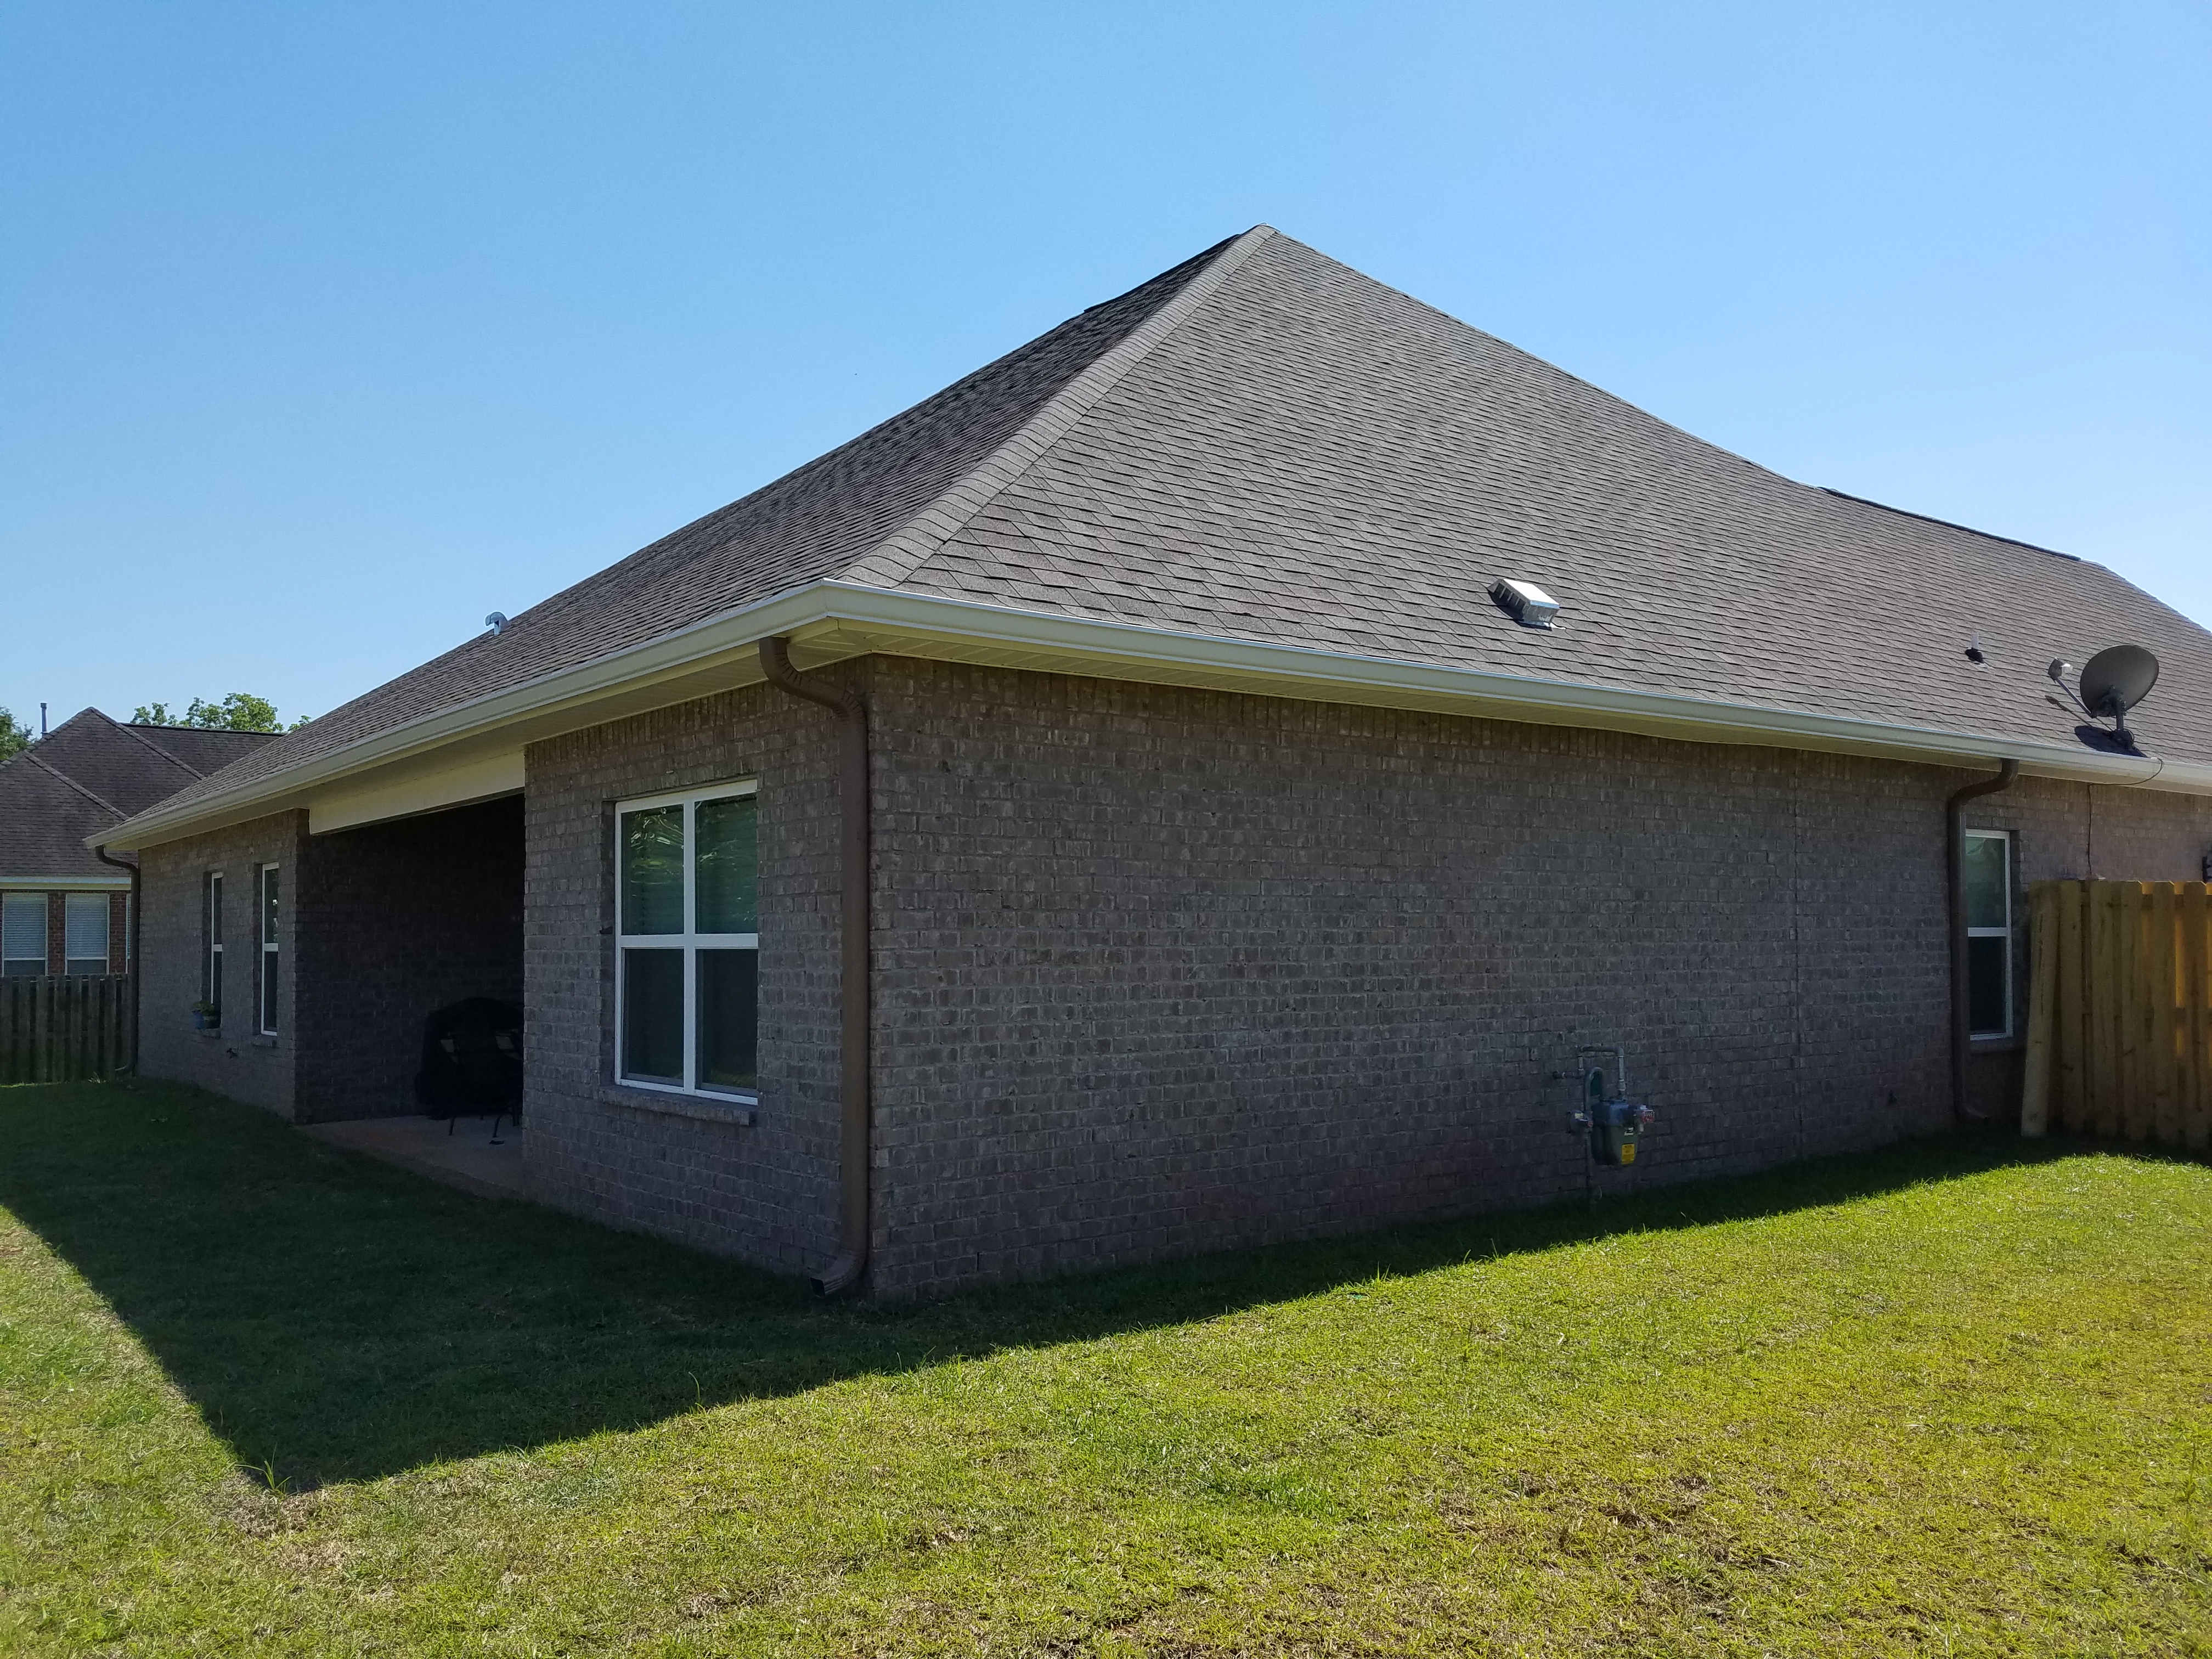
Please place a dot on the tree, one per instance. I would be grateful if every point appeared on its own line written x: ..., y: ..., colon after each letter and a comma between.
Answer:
x: 241, y: 711
x: 15, y: 736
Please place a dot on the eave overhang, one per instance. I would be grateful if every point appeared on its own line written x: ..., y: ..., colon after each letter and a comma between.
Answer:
x: 831, y: 621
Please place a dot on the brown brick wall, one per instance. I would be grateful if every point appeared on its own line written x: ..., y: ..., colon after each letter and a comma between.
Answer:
x: 1164, y: 970
x: 766, y: 1191
x: 237, y: 1061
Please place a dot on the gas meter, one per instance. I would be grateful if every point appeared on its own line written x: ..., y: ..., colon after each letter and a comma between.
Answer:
x: 1613, y: 1123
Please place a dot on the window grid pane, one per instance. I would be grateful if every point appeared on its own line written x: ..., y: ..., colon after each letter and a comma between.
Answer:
x: 652, y: 871
x: 728, y: 876
x: 1988, y: 885
x: 728, y: 1019
x: 653, y: 1015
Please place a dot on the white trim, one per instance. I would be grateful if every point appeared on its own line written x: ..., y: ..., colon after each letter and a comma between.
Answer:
x: 688, y: 943
x: 835, y: 620
x: 265, y: 982
x: 211, y: 951
x: 2005, y: 933
x: 65, y: 884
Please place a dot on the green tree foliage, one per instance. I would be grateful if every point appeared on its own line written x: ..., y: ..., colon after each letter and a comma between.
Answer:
x: 14, y: 735
x: 241, y: 711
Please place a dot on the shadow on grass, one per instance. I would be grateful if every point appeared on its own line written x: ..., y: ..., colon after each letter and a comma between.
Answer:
x: 337, y: 1320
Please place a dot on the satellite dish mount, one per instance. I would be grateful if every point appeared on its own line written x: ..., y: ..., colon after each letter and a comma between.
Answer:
x: 2114, y: 681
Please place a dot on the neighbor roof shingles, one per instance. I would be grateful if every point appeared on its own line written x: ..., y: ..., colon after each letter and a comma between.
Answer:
x: 87, y: 775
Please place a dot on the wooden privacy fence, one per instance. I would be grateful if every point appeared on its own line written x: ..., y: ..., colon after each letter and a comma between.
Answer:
x: 2119, y: 1011
x: 56, y: 1029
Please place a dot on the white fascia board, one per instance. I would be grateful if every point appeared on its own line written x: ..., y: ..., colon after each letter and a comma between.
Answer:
x: 56, y: 883
x: 830, y: 621
x: 921, y: 625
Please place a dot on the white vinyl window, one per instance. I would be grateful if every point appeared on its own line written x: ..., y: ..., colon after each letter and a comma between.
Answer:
x: 85, y: 927
x: 1989, y: 932
x: 211, y: 974
x: 267, y: 908
x: 23, y: 935
x: 688, y: 941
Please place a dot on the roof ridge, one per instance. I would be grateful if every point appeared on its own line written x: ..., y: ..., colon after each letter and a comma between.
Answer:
x: 141, y: 738
x: 52, y: 771
x: 918, y: 539
x: 1948, y: 524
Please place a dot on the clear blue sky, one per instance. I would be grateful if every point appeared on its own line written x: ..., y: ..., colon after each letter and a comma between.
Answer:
x: 326, y: 329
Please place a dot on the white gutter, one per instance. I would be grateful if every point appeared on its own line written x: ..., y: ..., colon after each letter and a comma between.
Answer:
x: 832, y: 620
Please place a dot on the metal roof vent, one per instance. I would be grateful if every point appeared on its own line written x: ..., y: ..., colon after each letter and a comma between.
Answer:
x: 1526, y: 603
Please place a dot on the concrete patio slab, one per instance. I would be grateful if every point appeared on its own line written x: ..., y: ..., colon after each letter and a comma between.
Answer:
x: 461, y: 1154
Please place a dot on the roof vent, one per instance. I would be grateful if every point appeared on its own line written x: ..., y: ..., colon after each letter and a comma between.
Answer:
x: 1526, y: 603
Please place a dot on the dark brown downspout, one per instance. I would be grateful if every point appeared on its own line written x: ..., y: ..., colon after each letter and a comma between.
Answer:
x: 131, y: 947
x: 1954, y: 877
x: 854, y: 980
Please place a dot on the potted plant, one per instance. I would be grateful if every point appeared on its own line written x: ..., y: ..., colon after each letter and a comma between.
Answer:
x: 206, y: 1017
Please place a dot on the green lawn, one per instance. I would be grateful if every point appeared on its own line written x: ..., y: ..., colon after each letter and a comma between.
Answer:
x: 257, y: 1397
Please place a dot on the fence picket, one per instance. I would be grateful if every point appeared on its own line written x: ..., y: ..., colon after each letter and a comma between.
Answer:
x: 2069, y: 1050
x: 63, y: 1029
x: 2120, y: 1010
x: 2193, y: 915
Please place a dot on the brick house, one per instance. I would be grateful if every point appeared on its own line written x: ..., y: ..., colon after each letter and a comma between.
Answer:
x: 1102, y: 812
x: 62, y: 909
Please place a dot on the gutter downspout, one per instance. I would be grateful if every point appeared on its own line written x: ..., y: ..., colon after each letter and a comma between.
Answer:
x: 1954, y: 877
x: 131, y: 947
x: 854, y: 979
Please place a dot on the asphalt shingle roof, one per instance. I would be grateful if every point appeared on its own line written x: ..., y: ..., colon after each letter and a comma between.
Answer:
x: 1264, y: 444
x: 88, y: 775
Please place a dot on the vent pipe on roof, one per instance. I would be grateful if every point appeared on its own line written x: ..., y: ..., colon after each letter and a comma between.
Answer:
x: 854, y: 978
x: 1954, y: 878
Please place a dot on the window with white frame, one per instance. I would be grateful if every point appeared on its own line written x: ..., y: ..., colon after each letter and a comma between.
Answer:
x: 267, y: 906
x: 1989, y: 932
x: 23, y: 935
x: 211, y: 973
x: 85, y: 928
x: 687, y: 920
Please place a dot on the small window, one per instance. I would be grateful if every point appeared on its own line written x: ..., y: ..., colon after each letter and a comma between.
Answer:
x: 268, y: 907
x: 212, y: 972
x: 1989, y: 932
x: 687, y: 939
x: 23, y: 935
x: 86, y: 930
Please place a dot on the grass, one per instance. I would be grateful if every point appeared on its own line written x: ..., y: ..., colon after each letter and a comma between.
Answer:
x: 257, y: 1397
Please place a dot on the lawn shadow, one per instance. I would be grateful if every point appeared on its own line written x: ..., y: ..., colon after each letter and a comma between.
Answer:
x: 337, y: 1320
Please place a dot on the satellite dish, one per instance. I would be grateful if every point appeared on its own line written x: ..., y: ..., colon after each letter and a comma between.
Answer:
x: 2116, y: 680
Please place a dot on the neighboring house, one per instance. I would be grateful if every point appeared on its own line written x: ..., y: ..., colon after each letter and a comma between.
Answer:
x: 1216, y: 861
x: 62, y: 910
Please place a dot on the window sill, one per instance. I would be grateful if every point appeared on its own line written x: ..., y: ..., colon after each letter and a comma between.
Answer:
x: 206, y: 1036
x: 262, y: 1042
x: 740, y: 1113
x: 2002, y: 1045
